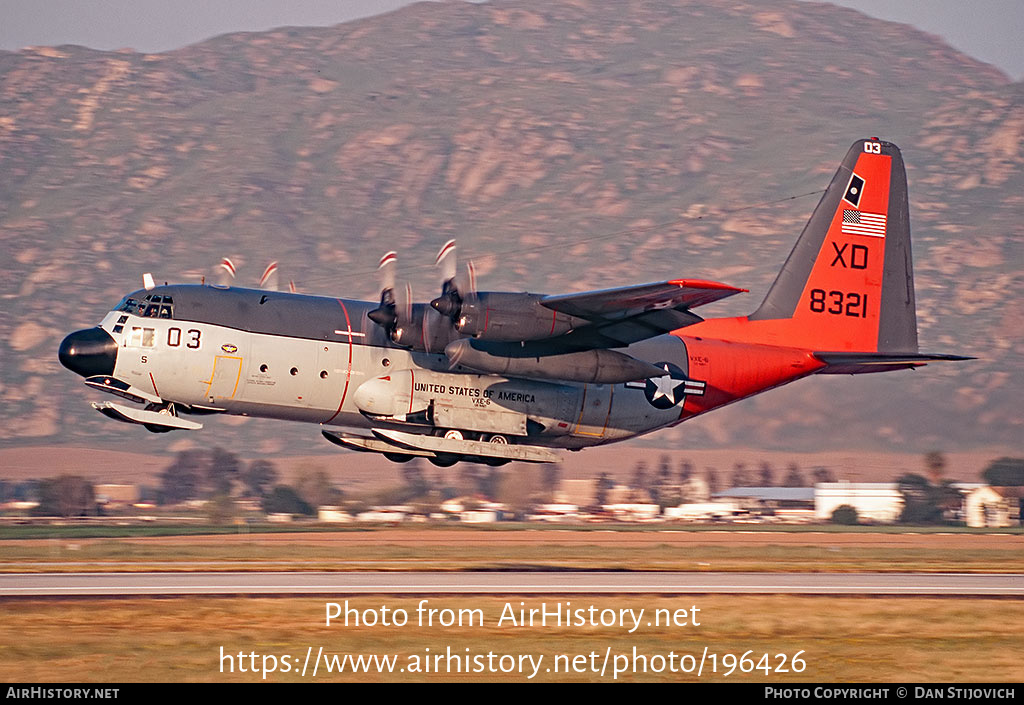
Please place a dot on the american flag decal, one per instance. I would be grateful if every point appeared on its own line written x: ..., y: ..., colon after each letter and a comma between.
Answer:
x: 861, y: 223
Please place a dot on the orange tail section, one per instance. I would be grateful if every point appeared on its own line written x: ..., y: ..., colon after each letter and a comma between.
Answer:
x: 848, y: 284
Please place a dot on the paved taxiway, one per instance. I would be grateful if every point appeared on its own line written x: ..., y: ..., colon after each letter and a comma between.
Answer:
x: 519, y: 583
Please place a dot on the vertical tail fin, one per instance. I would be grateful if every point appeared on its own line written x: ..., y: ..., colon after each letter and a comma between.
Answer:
x: 848, y: 284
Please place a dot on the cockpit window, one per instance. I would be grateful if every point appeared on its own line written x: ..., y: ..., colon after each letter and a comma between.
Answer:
x: 152, y: 306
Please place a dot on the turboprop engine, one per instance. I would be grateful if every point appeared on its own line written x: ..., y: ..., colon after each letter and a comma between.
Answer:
x: 506, y: 316
x: 598, y: 366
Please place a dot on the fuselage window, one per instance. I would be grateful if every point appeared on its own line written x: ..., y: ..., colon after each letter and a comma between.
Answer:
x: 142, y: 337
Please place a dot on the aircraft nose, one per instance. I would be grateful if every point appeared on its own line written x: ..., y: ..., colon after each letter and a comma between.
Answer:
x: 89, y: 352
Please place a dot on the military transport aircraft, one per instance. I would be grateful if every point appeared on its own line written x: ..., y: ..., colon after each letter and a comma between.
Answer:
x: 497, y: 376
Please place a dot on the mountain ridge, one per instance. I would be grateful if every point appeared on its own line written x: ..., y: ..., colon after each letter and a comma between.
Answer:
x: 574, y: 128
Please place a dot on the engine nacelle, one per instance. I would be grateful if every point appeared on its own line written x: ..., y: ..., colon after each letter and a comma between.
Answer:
x: 598, y: 366
x: 512, y: 317
x: 427, y: 331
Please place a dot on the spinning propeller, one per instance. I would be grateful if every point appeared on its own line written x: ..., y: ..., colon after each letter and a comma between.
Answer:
x: 429, y: 327
x: 457, y: 287
x: 224, y: 275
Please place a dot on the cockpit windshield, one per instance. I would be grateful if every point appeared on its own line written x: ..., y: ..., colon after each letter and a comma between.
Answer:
x: 150, y: 306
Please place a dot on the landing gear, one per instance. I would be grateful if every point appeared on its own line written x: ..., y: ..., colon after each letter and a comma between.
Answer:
x: 498, y: 440
x: 446, y: 460
x: 165, y: 409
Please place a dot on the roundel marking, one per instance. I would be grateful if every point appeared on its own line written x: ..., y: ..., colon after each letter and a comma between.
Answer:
x: 671, y: 389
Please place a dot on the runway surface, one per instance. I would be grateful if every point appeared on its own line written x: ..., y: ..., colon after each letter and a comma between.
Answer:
x: 518, y: 583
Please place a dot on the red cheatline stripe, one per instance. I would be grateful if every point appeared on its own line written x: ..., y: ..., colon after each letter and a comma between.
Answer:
x: 348, y: 374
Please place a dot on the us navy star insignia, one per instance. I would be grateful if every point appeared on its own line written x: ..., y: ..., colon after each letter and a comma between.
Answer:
x: 671, y: 389
x: 665, y: 386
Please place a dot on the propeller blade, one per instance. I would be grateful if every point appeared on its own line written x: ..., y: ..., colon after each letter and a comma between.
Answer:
x: 404, y: 324
x: 224, y: 272
x: 403, y: 304
x: 269, y: 278
x: 386, y: 315
x: 386, y: 267
x: 449, y: 303
x: 465, y: 282
x: 446, y: 261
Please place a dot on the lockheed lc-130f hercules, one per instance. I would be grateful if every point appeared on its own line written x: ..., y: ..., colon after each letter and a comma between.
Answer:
x: 497, y: 376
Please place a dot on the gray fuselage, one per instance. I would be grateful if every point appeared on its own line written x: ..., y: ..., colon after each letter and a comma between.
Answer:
x: 304, y: 358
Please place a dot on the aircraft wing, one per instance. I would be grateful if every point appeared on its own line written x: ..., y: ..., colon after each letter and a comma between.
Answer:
x: 618, y: 317
x: 628, y: 301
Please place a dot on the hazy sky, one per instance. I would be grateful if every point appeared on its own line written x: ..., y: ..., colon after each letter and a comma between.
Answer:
x: 989, y: 30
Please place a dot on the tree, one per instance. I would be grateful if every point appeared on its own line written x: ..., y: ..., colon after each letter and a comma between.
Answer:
x: 924, y: 502
x: 685, y: 470
x: 935, y: 463
x: 711, y: 476
x: 664, y: 471
x: 220, y: 509
x: 315, y: 488
x: 66, y: 496
x: 640, y: 475
x: 199, y: 472
x: 740, y: 476
x: 221, y: 472
x: 259, y: 477
x: 180, y: 481
x: 767, y: 475
x: 604, y: 484
x: 845, y: 514
x: 551, y: 478
x: 822, y: 475
x: 1005, y: 472
x: 794, y: 478
x: 487, y: 481
x: 415, y: 479
x: 285, y: 500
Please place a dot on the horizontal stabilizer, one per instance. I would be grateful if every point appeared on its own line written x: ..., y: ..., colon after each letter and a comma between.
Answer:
x: 852, y: 363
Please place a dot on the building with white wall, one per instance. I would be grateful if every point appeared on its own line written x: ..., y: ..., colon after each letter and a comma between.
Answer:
x: 874, y: 501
